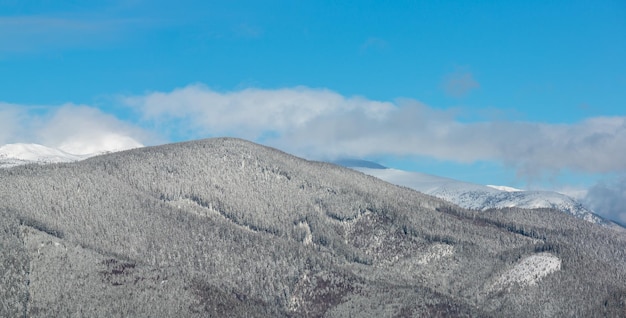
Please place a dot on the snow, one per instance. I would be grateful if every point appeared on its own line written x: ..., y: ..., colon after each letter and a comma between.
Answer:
x: 504, y: 188
x: 528, y: 271
x: 16, y: 154
x: 34, y: 152
x: 481, y: 197
x: 72, y: 149
x: 308, y: 238
x: 435, y: 252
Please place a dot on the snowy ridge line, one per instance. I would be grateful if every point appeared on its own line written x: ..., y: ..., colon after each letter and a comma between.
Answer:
x: 480, y: 197
x: 504, y: 188
x: 17, y: 154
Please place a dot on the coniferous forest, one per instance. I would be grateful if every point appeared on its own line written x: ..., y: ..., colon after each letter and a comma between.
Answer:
x: 228, y: 228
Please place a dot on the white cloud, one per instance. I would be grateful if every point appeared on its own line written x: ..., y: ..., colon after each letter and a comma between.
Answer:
x: 249, y: 113
x: 76, y: 129
x: 321, y: 123
x: 84, y: 130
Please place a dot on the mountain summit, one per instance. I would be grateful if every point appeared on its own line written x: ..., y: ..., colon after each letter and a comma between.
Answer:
x: 225, y: 227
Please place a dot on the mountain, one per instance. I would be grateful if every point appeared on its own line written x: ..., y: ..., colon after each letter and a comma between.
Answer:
x: 479, y: 197
x: 228, y: 228
x: 18, y: 154
x: 12, y: 155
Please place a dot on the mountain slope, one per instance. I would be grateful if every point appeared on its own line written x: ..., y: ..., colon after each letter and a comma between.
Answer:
x: 225, y: 227
x: 479, y: 197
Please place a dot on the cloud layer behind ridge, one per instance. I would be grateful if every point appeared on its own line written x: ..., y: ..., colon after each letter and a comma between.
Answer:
x: 324, y: 124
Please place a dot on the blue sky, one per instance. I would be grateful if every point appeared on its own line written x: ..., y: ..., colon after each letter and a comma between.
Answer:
x: 529, y: 94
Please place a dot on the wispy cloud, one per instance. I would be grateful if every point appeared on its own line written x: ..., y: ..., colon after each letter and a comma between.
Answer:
x: 33, y: 33
x: 322, y: 123
x: 459, y: 84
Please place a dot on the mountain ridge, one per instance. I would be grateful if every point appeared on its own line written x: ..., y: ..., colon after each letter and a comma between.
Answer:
x: 480, y: 197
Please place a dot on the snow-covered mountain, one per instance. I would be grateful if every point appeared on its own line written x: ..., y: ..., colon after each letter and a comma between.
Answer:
x: 18, y: 154
x: 482, y: 197
x: 227, y: 228
x: 12, y: 155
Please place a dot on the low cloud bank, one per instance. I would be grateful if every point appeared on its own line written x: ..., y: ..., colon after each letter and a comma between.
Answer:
x: 323, y: 123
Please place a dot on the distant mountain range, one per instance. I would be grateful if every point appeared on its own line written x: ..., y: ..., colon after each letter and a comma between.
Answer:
x: 228, y: 228
x: 478, y: 197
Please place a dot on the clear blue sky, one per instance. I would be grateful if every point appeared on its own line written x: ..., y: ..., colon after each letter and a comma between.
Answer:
x: 523, y: 93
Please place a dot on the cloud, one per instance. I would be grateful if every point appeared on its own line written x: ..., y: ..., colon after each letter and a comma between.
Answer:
x: 609, y: 199
x: 77, y: 129
x: 83, y: 130
x: 324, y: 124
x: 459, y: 84
x: 250, y: 113
x: 8, y: 121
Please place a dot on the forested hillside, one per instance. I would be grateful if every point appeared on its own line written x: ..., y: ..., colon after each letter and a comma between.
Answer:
x: 227, y: 228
